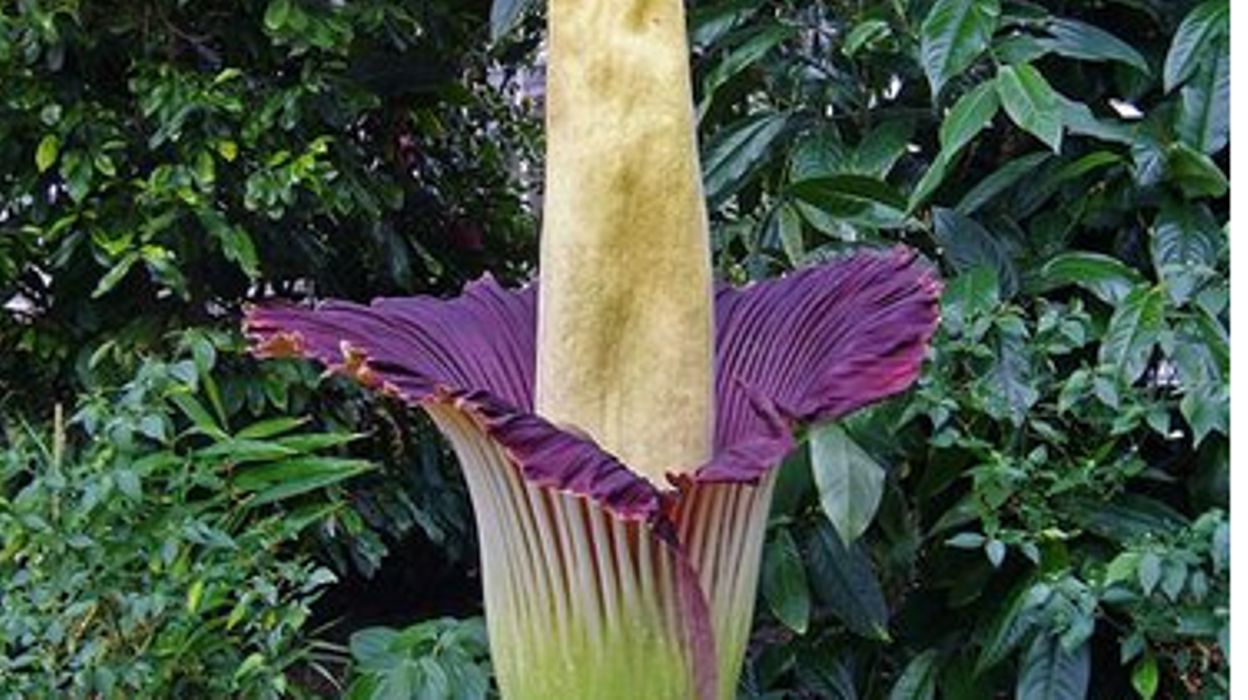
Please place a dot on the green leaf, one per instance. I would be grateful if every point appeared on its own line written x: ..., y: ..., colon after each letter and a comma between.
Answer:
x: 373, y: 648
x: 236, y: 244
x: 1048, y: 671
x: 965, y: 244
x: 203, y: 420
x: 784, y: 582
x: 243, y: 450
x: 1125, y: 518
x: 850, y: 483
x: 1086, y: 42
x: 999, y: 181
x: 1191, y: 41
x: 1194, y: 172
x: 849, y: 195
x: 740, y: 151
x: 842, y: 578
x: 864, y: 34
x: 115, y: 274
x: 276, y: 14
x: 505, y: 15
x: 1204, y: 119
x: 786, y: 227
x: 280, y: 480
x: 1079, y: 119
x: 1031, y: 102
x: 708, y: 23
x: 1133, y: 331
x: 47, y: 151
x: 271, y: 427
x: 1008, y: 386
x: 1149, y: 572
x: 880, y: 149
x: 953, y: 35
x: 971, y: 114
x: 1207, y: 409
x: 1109, y: 279
x: 1145, y: 677
x: 968, y: 296
x: 747, y: 54
x: 1184, y: 243
x: 918, y: 680
x: 1007, y: 630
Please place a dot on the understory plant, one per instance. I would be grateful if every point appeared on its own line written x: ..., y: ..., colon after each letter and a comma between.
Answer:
x: 618, y: 422
x: 1007, y: 527
x: 147, y: 551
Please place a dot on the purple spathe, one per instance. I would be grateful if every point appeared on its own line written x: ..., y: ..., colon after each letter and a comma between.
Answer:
x: 811, y: 346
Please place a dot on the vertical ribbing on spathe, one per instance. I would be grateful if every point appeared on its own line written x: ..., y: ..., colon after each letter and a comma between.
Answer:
x: 579, y: 603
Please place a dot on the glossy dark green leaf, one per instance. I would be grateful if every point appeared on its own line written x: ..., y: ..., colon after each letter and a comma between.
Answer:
x: 999, y: 181
x: 1088, y: 42
x: 1009, y: 626
x: 843, y: 579
x: 1204, y: 119
x: 918, y: 680
x: 1008, y: 387
x: 847, y: 195
x: 1192, y: 40
x: 850, y: 482
x: 1126, y: 517
x: 966, y: 244
x: 1194, y: 172
x: 953, y: 35
x: 1079, y: 119
x: 785, y: 224
x: 1185, y: 239
x: 709, y: 23
x: 753, y: 49
x: 1048, y: 671
x: 972, y: 294
x: 970, y: 115
x: 115, y: 274
x: 1207, y: 409
x: 1031, y: 103
x: 739, y: 152
x: 280, y: 480
x: 881, y: 148
x: 865, y: 34
x: 1109, y: 279
x: 784, y: 582
x: 1133, y: 331
x: 505, y: 15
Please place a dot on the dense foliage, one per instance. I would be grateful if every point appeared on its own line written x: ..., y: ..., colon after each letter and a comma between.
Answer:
x: 1046, y: 511
x: 146, y: 555
x: 1045, y: 514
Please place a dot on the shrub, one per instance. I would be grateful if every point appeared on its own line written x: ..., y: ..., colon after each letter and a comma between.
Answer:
x: 1066, y: 451
x: 147, y: 551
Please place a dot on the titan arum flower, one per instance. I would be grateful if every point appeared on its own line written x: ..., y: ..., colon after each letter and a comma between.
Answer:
x: 618, y: 422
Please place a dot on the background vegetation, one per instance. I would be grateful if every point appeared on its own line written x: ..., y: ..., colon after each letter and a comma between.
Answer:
x: 1044, y: 515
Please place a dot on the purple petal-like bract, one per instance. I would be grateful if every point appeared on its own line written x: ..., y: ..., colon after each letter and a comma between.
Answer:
x: 811, y: 346
x: 475, y: 352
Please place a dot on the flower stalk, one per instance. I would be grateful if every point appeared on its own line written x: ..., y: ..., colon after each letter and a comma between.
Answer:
x: 625, y: 323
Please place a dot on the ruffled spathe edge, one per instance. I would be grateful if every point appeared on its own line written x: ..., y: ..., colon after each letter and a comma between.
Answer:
x: 811, y: 346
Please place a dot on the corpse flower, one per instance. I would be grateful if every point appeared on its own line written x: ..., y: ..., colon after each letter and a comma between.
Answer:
x: 618, y: 423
